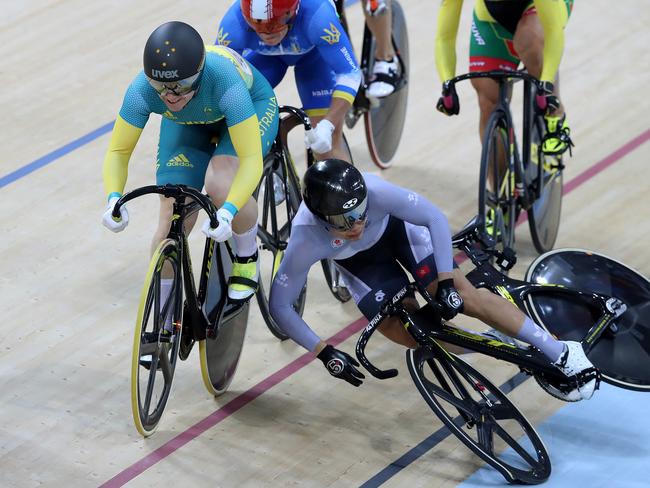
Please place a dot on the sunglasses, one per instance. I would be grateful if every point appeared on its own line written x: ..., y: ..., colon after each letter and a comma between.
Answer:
x: 345, y: 221
x: 178, y: 88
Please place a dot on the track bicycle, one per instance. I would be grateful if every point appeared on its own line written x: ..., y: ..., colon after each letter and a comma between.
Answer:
x: 278, y: 196
x: 606, y: 311
x: 511, y: 180
x: 383, y: 118
x: 204, y: 315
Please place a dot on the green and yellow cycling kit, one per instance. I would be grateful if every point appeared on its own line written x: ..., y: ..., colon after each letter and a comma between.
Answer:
x: 493, y: 26
x: 234, y: 104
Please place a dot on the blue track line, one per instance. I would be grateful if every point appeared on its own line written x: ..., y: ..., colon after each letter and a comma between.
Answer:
x: 430, y: 442
x: 56, y: 154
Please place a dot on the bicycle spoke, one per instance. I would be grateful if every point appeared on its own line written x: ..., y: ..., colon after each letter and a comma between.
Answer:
x: 525, y: 455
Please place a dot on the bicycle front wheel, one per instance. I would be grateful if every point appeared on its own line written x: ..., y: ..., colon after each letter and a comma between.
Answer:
x: 278, y: 198
x: 384, y: 122
x: 622, y: 353
x: 156, y: 338
x: 480, y: 415
x: 496, y: 198
x: 544, y: 179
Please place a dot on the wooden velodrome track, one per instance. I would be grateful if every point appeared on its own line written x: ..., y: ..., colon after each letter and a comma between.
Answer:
x: 69, y: 289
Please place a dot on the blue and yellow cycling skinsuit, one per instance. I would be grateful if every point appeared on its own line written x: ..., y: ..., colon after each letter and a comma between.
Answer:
x: 493, y: 26
x: 316, y: 45
x: 234, y: 106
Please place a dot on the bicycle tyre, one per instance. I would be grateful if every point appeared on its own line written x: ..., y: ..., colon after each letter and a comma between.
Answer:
x: 547, y: 181
x: 155, y: 351
x: 271, y: 234
x: 480, y: 415
x: 497, y: 209
x: 623, y: 357
x: 384, y: 124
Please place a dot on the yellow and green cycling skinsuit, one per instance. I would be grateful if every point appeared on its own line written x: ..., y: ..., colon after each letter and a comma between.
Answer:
x: 493, y: 26
x: 234, y: 104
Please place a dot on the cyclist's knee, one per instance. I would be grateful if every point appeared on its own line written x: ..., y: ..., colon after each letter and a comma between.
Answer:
x: 393, y: 329
x: 529, y: 44
x: 219, y: 177
x: 488, y: 94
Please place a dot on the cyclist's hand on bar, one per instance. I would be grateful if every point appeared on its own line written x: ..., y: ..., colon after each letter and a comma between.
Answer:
x: 450, y: 301
x: 109, y: 222
x: 223, y: 232
x: 545, y: 101
x: 448, y: 102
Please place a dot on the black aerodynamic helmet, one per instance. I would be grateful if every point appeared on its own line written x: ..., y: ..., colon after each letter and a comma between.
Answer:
x: 173, y: 58
x: 336, y: 193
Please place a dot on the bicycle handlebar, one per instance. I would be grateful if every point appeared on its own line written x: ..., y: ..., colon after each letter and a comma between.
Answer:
x: 170, y: 191
x: 497, y: 73
x: 387, y: 309
x: 298, y: 113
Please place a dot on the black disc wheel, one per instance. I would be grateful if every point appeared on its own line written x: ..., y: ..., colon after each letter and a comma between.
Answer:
x: 278, y: 198
x: 219, y: 356
x: 622, y: 353
x: 157, y: 338
x: 496, y: 201
x: 384, y: 121
x: 544, y: 179
x: 480, y: 415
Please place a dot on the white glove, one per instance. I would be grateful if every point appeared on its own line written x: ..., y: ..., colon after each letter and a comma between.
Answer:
x: 319, y: 139
x: 112, y: 224
x: 223, y: 232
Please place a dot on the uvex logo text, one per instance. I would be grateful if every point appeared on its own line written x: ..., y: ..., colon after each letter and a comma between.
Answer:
x: 158, y: 73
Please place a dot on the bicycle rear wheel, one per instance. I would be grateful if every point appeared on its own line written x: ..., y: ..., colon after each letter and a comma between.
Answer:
x: 488, y: 423
x: 155, y: 349
x: 496, y: 198
x: 544, y: 174
x: 621, y: 354
x: 219, y: 357
x: 384, y: 122
x: 278, y: 197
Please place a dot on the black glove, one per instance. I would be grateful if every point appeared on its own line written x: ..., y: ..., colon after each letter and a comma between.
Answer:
x: 341, y: 365
x: 448, y: 102
x: 545, y: 101
x: 449, y: 299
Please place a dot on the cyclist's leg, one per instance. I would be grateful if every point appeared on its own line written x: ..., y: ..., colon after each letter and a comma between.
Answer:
x: 490, y: 48
x: 219, y: 177
x: 529, y: 44
x: 183, y: 155
x: 315, y: 82
x: 385, y: 71
x: 501, y: 314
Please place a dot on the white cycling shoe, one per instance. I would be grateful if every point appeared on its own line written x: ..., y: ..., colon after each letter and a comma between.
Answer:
x: 385, y: 77
x: 574, y: 363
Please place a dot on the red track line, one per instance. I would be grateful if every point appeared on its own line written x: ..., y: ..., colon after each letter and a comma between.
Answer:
x: 266, y: 384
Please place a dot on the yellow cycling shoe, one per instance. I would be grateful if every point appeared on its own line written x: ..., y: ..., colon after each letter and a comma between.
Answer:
x: 243, y: 278
x: 557, y: 139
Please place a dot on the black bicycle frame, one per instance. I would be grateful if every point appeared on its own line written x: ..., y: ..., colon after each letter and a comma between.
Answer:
x: 279, y: 154
x: 202, y: 325
x: 527, y: 194
x: 485, y: 275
